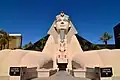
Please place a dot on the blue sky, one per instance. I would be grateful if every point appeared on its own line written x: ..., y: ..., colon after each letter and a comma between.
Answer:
x: 33, y: 18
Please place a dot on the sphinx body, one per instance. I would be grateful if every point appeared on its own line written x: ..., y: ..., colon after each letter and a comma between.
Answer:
x: 62, y: 46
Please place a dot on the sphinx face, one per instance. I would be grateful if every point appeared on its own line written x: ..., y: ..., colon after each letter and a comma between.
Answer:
x: 62, y: 23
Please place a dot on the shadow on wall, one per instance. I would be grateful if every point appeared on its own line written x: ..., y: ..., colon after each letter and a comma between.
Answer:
x: 48, y: 65
x: 29, y: 73
x: 75, y: 65
x: 52, y: 72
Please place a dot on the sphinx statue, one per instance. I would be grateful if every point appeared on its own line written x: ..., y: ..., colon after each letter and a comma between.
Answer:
x: 62, y: 35
x: 61, y: 48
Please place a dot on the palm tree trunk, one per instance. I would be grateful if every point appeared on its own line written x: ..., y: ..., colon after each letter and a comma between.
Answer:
x: 8, y: 45
x: 4, y: 46
x: 1, y: 47
x: 105, y: 44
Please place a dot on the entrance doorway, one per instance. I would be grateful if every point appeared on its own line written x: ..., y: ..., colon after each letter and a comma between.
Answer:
x: 62, y: 66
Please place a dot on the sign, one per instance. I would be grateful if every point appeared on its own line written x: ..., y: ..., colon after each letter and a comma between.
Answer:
x: 14, y: 71
x: 106, y: 72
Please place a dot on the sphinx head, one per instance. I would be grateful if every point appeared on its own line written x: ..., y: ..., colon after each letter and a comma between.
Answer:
x: 62, y: 28
x: 62, y: 22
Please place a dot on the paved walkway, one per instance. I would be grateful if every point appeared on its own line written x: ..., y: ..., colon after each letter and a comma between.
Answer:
x: 61, y: 75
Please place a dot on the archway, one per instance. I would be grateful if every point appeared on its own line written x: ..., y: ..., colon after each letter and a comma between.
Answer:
x: 62, y: 66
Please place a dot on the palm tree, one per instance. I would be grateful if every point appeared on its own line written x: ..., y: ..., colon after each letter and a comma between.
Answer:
x: 105, y: 37
x: 3, y: 42
x: 95, y: 47
x: 0, y: 42
x: 5, y: 38
x: 84, y: 45
x: 42, y: 41
x: 27, y: 45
